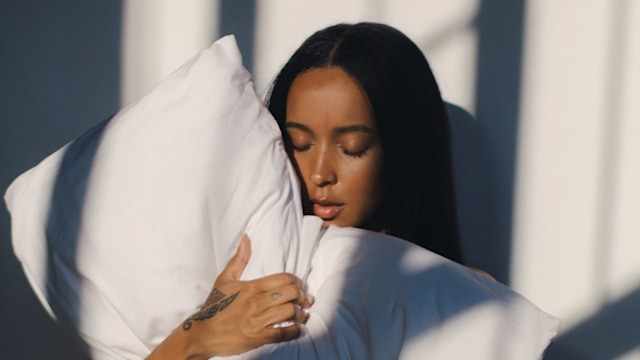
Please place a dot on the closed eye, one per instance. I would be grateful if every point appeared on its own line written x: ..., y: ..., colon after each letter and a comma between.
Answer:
x: 355, y: 154
x: 300, y: 148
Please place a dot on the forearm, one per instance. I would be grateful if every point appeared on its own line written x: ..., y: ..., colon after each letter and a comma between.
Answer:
x: 175, y: 347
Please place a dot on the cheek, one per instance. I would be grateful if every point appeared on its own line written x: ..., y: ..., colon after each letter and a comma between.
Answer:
x: 374, y: 190
x: 366, y: 183
x: 374, y: 171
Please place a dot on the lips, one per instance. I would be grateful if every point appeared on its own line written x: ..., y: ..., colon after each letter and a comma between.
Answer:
x: 326, y: 210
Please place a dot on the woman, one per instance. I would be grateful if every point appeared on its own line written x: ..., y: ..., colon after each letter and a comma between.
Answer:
x: 366, y: 129
x: 396, y: 83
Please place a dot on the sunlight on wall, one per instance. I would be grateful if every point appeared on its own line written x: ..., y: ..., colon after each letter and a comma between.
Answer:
x: 576, y: 236
x: 447, y: 36
x: 282, y: 25
x: 625, y: 268
x: 444, y: 32
x: 158, y: 36
x: 559, y: 147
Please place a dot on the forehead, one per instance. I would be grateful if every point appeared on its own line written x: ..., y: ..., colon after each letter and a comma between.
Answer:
x: 328, y: 98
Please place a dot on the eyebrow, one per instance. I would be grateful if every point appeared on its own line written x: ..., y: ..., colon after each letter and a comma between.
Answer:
x: 337, y: 131
x: 295, y: 125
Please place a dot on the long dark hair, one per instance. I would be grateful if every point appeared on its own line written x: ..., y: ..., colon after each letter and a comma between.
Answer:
x: 419, y: 201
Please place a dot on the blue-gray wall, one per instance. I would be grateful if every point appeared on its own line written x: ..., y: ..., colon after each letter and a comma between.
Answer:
x: 59, y: 75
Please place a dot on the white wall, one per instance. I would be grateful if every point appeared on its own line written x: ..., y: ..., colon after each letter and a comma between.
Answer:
x: 161, y: 34
x: 158, y: 36
x: 577, y: 239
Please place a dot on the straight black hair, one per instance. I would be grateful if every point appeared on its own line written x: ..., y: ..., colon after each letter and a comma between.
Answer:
x: 419, y: 200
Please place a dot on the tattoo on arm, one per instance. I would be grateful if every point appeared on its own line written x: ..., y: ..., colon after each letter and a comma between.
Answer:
x: 215, y: 303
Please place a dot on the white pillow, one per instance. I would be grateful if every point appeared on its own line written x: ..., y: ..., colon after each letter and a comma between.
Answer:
x: 122, y: 232
x: 380, y: 297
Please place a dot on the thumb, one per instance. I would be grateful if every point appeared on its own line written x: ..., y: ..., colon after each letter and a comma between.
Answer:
x: 239, y: 261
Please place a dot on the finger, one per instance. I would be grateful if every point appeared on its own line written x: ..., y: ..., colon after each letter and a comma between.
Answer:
x: 274, y: 281
x: 282, y: 334
x: 282, y: 313
x: 287, y: 293
x: 239, y: 261
x: 306, y: 301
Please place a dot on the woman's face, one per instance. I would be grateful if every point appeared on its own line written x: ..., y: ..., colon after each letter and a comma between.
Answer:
x: 336, y: 147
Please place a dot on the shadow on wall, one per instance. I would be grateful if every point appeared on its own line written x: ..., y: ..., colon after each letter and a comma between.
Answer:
x: 500, y: 28
x: 63, y: 286
x: 609, y: 334
x: 485, y: 148
x: 239, y: 17
x: 60, y: 72
x: 473, y: 175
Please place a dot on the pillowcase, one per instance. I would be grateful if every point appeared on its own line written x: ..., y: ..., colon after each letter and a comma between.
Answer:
x: 122, y: 232
x: 380, y: 297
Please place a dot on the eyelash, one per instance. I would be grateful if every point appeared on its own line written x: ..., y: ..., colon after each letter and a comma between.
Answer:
x: 354, y: 154
x: 300, y: 148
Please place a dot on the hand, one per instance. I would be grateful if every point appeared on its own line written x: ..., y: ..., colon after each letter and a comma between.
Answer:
x: 240, y: 315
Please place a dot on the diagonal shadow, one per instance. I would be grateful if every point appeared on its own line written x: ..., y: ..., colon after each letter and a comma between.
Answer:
x: 62, y: 230
x: 610, y: 333
x: 59, y: 67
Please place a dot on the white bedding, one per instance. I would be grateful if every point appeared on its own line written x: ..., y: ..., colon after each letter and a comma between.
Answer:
x: 379, y: 297
x: 122, y: 232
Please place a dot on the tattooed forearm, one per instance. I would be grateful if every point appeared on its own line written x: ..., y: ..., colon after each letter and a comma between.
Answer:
x: 211, y: 307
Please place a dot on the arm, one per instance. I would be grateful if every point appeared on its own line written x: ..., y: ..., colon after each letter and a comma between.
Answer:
x: 239, y: 315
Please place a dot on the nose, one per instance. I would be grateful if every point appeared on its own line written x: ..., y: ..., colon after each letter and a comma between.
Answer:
x: 322, y: 171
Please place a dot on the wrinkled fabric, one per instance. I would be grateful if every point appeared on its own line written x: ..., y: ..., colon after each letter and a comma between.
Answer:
x: 380, y: 297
